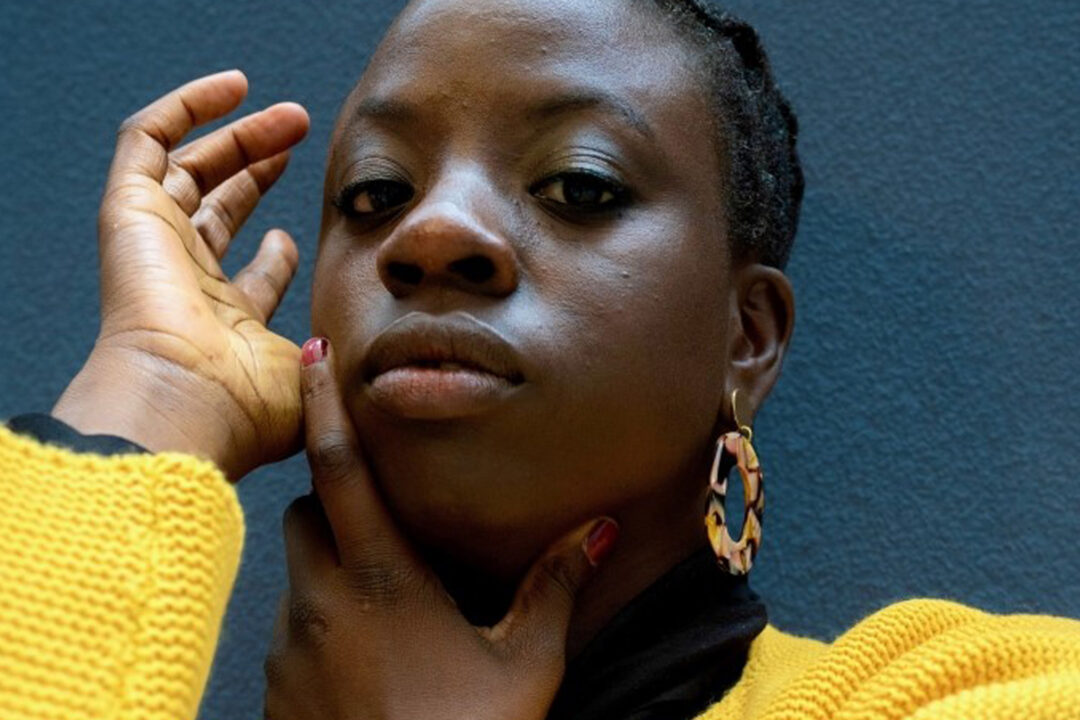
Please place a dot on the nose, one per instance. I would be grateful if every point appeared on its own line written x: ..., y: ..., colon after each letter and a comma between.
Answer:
x: 441, y: 242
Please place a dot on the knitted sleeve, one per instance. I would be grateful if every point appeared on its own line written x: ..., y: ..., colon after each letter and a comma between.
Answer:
x: 114, y: 575
x: 919, y: 660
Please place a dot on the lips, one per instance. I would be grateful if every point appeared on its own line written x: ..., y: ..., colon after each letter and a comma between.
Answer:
x: 428, y: 367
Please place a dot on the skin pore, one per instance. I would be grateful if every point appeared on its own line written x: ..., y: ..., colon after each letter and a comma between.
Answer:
x: 550, y: 170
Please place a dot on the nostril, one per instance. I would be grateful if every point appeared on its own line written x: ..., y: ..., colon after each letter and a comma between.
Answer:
x: 475, y: 268
x: 405, y: 272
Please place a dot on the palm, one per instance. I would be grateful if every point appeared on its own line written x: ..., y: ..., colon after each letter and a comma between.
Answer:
x: 166, y: 222
x: 177, y: 301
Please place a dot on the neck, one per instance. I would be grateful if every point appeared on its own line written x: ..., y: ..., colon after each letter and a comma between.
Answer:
x: 649, y: 545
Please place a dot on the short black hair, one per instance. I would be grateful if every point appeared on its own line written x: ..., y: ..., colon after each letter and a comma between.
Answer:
x: 758, y: 129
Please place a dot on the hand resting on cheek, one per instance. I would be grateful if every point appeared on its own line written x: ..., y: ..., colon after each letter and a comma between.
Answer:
x: 366, y: 628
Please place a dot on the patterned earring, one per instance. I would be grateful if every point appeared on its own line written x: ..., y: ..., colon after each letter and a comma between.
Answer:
x: 735, y: 557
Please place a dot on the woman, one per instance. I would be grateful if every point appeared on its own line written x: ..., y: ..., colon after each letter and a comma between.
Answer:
x: 549, y: 280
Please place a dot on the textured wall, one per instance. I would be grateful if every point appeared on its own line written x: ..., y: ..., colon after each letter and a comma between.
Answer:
x: 923, y: 439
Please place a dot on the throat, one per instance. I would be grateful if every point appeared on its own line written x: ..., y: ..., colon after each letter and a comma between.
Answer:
x: 482, y: 598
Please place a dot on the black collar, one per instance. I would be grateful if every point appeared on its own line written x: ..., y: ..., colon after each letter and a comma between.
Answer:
x: 670, y: 653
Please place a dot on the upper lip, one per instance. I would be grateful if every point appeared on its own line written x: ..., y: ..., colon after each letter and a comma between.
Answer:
x: 419, y: 339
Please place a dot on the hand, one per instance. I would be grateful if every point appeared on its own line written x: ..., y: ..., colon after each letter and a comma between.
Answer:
x: 367, y: 631
x: 184, y: 360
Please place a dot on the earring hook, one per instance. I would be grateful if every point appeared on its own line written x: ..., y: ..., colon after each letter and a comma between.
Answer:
x: 745, y: 430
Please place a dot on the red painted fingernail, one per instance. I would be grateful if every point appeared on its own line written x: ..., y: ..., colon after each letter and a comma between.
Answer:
x: 600, y: 540
x: 314, y: 351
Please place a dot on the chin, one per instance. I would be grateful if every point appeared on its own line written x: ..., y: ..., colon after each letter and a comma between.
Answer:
x: 466, y: 502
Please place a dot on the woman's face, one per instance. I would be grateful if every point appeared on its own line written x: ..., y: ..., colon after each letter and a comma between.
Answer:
x: 530, y: 189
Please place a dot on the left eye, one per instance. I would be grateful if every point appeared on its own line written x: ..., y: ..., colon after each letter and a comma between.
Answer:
x: 579, y: 190
x: 371, y: 198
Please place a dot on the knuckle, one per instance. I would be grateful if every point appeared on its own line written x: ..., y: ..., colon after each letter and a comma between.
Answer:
x: 142, y: 122
x: 120, y: 195
x: 261, y: 283
x: 267, y: 280
x: 148, y: 121
x: 316, y: 386
x: 185, y: 179
x: 221, y: 212
x: 332, y: 455
x: 241, y: 148
x: 282, y: 677
x: 274, y: 667
x: 381, y: 584
x: 307, y: 622
x: 559, y: 574
x: 209, y: 226
x: 128, y: 125
x: 107, y: 218
x: 211, y: 230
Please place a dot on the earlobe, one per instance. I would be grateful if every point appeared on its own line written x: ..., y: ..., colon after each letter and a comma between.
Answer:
x: 763, y: 316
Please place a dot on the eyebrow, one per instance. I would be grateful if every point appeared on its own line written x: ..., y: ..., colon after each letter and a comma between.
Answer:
x: 385, y: 110
x: 587, y: 98
x: 390, y: 111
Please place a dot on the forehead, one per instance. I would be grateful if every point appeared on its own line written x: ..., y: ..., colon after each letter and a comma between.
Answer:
x: 501, y: 54
x: 532, y: 28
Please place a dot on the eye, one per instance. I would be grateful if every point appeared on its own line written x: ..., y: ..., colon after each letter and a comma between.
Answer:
x: 581, y: 191
x: 371, y: 197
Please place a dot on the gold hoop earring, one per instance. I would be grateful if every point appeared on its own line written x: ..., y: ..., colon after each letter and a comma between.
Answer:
x: 736, y: 557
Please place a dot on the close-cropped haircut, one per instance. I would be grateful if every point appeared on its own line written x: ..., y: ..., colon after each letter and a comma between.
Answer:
x: 758, y: 131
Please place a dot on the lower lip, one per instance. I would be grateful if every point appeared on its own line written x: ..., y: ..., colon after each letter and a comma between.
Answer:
x: 433, y: 394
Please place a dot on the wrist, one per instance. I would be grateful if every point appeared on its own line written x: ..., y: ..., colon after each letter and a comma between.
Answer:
x: 126, y: 398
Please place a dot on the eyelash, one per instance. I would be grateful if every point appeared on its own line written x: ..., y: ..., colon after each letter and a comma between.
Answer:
x: 619, y: 194
x: 346, y: 199
x: 598, y: 182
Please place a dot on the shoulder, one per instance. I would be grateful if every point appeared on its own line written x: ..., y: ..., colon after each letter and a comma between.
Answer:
x: 919, y: 658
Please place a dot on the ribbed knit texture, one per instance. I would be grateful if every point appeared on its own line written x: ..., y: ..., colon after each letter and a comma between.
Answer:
x: 114, y: 575
x: 115, y: 571
x: 919, y: 660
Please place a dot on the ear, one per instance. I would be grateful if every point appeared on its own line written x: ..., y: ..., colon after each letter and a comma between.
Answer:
x: 762, y: 318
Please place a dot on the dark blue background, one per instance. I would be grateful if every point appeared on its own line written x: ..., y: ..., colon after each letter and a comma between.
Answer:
x: 923, y: 438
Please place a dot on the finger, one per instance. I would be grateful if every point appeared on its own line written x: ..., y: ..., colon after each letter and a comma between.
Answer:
x: 289, y: 670
x: 365, y: 535
x: 313, y: 567
x: 266, y: 278
x: 535, y: 627
x: 200, y: 166
x: 309, y: 544
x: 224, y: 211
x: 145, y: 138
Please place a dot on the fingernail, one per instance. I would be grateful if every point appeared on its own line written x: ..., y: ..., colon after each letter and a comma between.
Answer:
x: 600, y: 540
x: 314, y: 351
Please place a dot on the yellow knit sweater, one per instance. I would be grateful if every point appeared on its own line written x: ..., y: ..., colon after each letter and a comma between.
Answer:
x: 115, y: 571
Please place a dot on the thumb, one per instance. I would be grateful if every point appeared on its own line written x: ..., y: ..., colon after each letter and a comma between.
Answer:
x: 535, y: 627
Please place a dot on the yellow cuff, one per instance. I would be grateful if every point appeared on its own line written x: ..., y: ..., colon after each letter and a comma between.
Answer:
x: 114, y: 576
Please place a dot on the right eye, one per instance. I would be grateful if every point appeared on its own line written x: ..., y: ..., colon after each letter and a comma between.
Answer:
x: 372, y: 197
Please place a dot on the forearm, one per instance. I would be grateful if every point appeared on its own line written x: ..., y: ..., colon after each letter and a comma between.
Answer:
x: 114, y: 575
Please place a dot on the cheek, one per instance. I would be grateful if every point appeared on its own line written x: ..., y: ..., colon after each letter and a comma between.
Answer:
x: 643, y: 368
x: 345, y: 285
